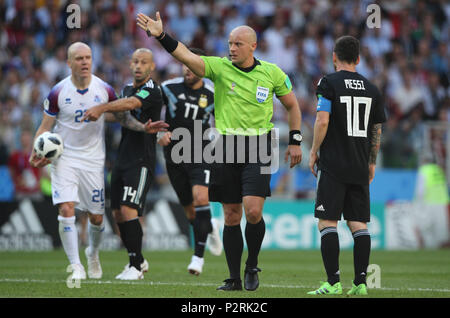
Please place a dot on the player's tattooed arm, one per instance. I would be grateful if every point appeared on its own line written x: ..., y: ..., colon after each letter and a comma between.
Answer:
x: 128, y: 121
x: 375, y: 143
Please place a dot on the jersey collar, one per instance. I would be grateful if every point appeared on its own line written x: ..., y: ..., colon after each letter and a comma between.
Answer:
x: 250, y: 68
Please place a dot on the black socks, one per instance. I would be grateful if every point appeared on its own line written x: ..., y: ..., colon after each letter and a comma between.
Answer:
x: 131, y: 234
x: 202, y: 227
x: 254, y: 235
x: 361, y: 253
x: 233, y: 245
x: 330, y: 253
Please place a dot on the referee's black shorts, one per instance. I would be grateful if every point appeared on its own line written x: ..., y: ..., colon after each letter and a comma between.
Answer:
x: 230, y: 182
x: 335, y: 198
x: 129, y: 187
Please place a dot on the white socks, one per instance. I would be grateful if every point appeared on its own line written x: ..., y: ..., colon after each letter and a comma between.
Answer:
x: 69, y: 237
x: 95, y: 233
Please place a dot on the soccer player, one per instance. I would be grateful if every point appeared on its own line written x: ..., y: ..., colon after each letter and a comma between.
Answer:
x: 243, y: 98
x: 77, y: 177
x: 135, y: 165
x: 347, y: 132
x: 189, y: 99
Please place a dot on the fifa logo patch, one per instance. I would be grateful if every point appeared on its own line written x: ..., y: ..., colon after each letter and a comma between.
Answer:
x: 262, y: 93
x: 97, y: 99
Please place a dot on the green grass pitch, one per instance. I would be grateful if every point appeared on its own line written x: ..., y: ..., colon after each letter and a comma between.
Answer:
x: 285, y: 274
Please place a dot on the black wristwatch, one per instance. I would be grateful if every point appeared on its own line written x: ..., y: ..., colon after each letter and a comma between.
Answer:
x: 295, y: 137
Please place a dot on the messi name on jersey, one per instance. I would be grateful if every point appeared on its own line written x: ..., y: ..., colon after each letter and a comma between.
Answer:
x: 354, y: 84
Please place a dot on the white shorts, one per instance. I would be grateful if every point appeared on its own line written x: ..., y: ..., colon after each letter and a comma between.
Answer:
x: 84, y: 188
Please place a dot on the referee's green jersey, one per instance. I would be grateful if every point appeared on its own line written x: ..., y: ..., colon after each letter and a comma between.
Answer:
x: 243, y: 101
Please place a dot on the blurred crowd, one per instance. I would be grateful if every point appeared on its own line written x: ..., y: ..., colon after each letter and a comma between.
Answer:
x: 407, y: 57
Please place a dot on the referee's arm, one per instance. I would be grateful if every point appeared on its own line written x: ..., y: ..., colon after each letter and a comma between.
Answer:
x: 290, y: 102
x: 176, y: 48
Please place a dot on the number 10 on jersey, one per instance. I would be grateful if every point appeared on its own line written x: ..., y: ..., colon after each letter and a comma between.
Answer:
x: 352, y: 104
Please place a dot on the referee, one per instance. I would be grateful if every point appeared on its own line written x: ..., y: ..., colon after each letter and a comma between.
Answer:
x: 243, y: 97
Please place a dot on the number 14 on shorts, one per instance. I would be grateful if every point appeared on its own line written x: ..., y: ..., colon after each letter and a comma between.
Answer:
x: 129, y: 192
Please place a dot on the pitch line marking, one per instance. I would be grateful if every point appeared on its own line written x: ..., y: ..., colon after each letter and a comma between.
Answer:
x: 108, y: 282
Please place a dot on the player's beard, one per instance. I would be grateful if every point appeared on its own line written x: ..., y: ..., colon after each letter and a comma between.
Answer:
x: 142, y: 78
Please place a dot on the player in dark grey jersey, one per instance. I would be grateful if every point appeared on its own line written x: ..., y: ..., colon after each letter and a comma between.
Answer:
x: 347, y: 132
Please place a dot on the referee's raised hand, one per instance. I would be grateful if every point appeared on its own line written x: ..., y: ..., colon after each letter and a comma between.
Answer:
x: 149, y: 25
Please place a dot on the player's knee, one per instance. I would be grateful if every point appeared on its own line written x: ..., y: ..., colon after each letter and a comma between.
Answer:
x: 231, y: 220
x: 232, y: 215
x: 326, y: 223
x: 66, y: 209
x: 200, y: 195
x: 96, y: 219
x: 356, y: 226
x: 125, y: 213
x: 253, y: 215
x: 201, y: 199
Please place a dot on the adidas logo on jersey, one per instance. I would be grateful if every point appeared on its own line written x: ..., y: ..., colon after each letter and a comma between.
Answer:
x: 320, y: 208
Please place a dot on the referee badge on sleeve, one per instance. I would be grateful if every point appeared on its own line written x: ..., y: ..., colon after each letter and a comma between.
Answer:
x: 261, y: 94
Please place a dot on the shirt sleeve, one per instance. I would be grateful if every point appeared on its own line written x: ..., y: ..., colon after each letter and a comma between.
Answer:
x: 213, y: 65
x: 379, y: 115
x: 325, y: 95
x: 112, y: 96
x: 51, y: 107
x: 282, y: 83
x: 144, y: 95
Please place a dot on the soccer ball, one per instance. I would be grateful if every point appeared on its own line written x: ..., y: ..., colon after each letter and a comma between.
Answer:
x: 49, y: 145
